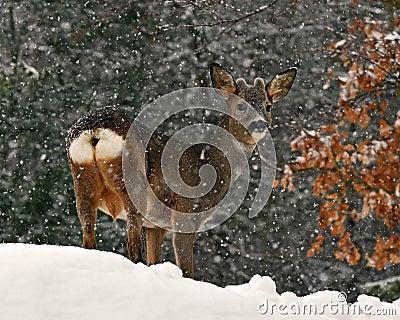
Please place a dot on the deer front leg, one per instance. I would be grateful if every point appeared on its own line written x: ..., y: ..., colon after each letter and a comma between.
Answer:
x: 183, y: 247
x: 154, y: 241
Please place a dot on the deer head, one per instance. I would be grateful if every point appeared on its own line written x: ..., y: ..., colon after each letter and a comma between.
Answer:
x: 260, y: 97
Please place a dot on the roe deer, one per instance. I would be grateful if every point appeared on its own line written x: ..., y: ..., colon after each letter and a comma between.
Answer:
x: 96, y: 142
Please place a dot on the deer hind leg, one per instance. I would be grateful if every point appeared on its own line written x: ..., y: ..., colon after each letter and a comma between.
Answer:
x: 134, y: 230
x: 154, y: 241
x: 183, y: 247
x: 88, y: 188
x: 117, y: 198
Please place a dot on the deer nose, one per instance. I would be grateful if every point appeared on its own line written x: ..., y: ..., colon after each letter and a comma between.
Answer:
x: 257, y: 126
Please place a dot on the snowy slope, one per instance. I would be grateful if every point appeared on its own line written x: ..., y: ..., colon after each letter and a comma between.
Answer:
x: 50, y: 282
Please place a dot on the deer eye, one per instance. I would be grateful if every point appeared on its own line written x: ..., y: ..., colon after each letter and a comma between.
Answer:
x: 241, y: 107
x: 268, y: 108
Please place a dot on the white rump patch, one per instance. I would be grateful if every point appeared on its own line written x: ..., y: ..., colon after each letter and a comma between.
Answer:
x: 110, y: 144
x: 81, y: 149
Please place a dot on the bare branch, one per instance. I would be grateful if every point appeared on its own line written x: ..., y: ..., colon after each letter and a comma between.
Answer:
x: 227, y: 23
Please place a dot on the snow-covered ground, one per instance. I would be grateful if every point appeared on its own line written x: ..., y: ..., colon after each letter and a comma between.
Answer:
x: 51, y: 282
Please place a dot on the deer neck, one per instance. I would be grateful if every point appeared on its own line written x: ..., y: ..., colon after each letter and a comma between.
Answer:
x: 247, y: 143
x: 239, y: 144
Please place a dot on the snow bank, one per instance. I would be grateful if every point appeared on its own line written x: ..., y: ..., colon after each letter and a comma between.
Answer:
x: 50, y: 282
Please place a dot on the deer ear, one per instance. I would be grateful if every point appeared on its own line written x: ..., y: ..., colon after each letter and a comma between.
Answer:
x: 222, y: 79
x: 280, y: 85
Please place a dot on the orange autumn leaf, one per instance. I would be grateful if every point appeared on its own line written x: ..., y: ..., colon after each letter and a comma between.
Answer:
x: 338, y: 227
x: 349, y: 251
x: 362, y: 145
x: 364, y: 118
x: 380, y: 74
x: 315, y: 247
x: 352, y: 115
x: 329, y: 128
x: 349, y: 147
x: 384, y: 128
x: 354, y: 256
x: 328, y: 213
x: 385, y: 252
x: 384, y: 105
